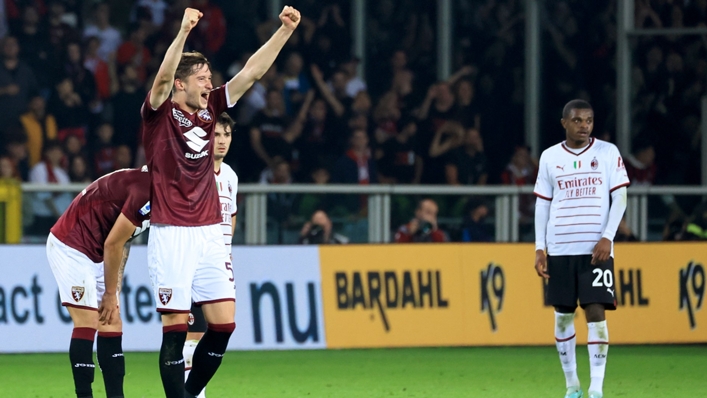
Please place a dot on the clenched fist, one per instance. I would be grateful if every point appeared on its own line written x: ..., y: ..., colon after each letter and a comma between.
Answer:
x: 191, y: 18
x: 290, y: 17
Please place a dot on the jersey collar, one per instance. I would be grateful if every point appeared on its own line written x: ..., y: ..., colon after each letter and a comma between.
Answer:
x: 591, y: 142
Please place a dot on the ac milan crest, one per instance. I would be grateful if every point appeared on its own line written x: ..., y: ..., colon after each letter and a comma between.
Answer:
x: 205, y: 116
x: 165, y: 295
x: 77, y: 293
x: 191, y: 319
x: 595, y: 164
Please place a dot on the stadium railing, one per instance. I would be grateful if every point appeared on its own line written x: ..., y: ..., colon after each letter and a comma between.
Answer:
x: 505, y: 215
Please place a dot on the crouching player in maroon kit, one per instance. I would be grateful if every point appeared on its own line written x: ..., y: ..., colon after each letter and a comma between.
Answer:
x: 87, y: 250
x: 187, y: 259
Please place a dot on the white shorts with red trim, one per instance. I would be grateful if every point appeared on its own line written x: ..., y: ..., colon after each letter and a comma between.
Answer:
x: 80, y: 280
x: 188, y: 264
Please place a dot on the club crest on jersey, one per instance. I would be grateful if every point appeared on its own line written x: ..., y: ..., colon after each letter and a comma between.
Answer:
x: 594, y: 164
x: 190, y: 322
x: 77, y: 293
x: 205, y: 116
x: 179, y: 116
x: 165, y: 294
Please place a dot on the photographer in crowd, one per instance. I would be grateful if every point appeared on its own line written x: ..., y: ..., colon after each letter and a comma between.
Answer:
x: 422, y: 228
x: 318, y: 231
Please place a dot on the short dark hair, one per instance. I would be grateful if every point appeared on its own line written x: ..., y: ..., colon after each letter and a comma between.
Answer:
x: 575, y: 104
x: 188, y: 64
x: 226, y: 120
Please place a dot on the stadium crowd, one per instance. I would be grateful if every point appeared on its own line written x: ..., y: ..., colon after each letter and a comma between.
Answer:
x: 74, y: 75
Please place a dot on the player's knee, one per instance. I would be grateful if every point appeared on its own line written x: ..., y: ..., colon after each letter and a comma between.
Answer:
x: 223, y: 327
x: 565, y: 310
x: 594, y: 312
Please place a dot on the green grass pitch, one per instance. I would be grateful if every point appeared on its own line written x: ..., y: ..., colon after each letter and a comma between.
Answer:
x: 632, y: 371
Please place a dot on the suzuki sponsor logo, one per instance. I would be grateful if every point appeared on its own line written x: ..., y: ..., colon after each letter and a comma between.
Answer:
x: 195, y: 139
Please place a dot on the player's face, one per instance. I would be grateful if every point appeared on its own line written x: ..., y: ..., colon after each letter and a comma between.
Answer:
x: 578, y: 126
x: 197, y: 88
x: 222, y: 137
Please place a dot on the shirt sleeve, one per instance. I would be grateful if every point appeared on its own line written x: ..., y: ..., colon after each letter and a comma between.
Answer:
x: 234, y: 194
x: 617, y: 171
x: 137, y: 206
x: 543, y: 184
x: 148, y: 114
x: 219, y: 100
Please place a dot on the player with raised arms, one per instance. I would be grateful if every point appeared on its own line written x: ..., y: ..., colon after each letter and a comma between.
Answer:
x: 87, y: 249
x: 581, y: 199
x: 187, y: 259
x: 227, y: 186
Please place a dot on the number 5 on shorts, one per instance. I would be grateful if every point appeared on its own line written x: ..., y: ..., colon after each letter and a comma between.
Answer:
x: 228, y: 267
x: 603, y: 275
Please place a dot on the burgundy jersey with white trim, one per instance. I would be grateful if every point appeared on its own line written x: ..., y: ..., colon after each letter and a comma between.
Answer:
x: 179, y: 152
x: 579, y: 186
x: 227, y: 186
x: 85, y: 225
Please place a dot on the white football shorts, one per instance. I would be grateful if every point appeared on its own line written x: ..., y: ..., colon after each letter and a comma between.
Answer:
x: 188, y: 264
x: 80, y: 280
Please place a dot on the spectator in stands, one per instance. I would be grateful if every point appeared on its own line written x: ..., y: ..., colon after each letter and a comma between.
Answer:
x: 134, y: 52
x: 210, y: 34
x: 82, y: 79
x: 522, y: 170
x: 465, y: 164
x: 271, y: 134
x: 280, y: 205
x: 354, y: 83
x: 398, y: 161
x: 468, y: 109
x: 7, y: 169
x: 320, y: 141
x: 104, y: 73
x: 101, y: 28
x: 318, y: 230
x: 436, y: 110
x: 78, y: 170
x: 157, y: 9
x: 474, y: 228
x: 255, y: 99
x: 49, y: 206
x: 624, y: 233
x: 38, y: 127
x: 696, y: 227
x: 422, y: 228
x: 17, y: 81
x: 72, y: 147
x: 356, y: 166
x: 126, y: 122
x: 335, y: 95
x: 104, y: 151
x: 295, y: 80
x: 60, y: 31
x: 36, y: 49
x: 640, y: 164
x: 68, y: 108
x: 16, y: 149
x: 123, y: 157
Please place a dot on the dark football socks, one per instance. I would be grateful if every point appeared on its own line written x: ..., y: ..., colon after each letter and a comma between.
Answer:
x: 208, y: 355
x: 112, y: 363
x: 81, y: 357
x: 172, y: 361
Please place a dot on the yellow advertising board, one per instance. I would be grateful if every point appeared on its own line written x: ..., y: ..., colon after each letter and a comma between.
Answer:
x: 489, y: 294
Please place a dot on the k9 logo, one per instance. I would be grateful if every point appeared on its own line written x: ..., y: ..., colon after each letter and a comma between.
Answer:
x: 492, y: 281
x: 692, y: 290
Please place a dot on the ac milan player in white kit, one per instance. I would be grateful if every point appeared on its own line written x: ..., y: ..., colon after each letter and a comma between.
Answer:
x: 227, y: 186
x: 187, y: 259
x: 581, y: 199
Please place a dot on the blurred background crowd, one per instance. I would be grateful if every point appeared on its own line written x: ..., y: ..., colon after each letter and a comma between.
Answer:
x: 74, y: 74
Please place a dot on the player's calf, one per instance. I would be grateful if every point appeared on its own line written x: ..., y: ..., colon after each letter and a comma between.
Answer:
x: 81, y: 357
x: 109, y: 351
x: 208, y: 356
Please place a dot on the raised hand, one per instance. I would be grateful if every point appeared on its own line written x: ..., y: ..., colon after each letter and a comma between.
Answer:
x: 290, y: 17
x: 190, y: 19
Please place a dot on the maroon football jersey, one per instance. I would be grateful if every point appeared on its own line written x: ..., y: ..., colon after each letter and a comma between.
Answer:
x: 179, y: 152
x: 85, y: 225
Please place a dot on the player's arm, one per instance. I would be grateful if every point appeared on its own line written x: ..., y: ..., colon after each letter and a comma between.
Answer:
x: 260, y: 62
x: 162, y: 86
x: 113, y: 248
x: 233, y: 224
x: 543, y: 192
x: 602, y: 251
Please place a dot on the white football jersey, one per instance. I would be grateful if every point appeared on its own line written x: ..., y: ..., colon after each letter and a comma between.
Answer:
x: 227, y: 186
x: 579, y: 186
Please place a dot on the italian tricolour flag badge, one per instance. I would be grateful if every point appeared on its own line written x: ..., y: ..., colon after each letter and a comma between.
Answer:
x: 577, y: 164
